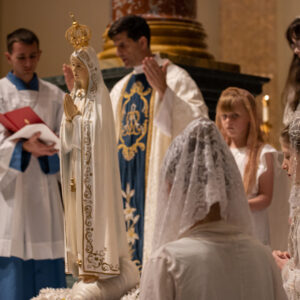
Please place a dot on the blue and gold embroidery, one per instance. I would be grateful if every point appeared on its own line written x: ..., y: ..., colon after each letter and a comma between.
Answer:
x: 131, y: 218
x: 135, y: 113
x: 134, y: 122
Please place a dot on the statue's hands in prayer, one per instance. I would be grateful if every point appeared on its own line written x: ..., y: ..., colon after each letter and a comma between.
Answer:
x: 38, y: 148
x: 70, y: 108
x: 156, y: 75
x: 281, y: 258
x: 69, y: 78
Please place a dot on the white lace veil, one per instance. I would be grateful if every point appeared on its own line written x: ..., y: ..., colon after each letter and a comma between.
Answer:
x: 198, y: 171
x: 294, y: 132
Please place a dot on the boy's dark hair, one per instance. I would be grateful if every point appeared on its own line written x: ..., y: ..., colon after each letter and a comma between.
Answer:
x: 135, y: 26
x: 21, y: 35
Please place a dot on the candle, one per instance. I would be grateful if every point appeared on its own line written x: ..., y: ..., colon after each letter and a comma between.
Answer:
x: 265, y: 108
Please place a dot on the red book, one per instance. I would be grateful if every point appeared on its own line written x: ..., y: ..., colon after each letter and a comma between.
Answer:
x: 18, y: 118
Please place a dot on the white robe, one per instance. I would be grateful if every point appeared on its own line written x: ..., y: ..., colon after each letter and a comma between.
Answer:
x: 212, y: 261
x: 31, y: 212
x: 276, y: 214
x: 94, y: 221
x: 182, y: 102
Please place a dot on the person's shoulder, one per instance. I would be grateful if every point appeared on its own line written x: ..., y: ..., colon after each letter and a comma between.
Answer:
x: 51, y: 92
x: 265, y: 149
x: 6, y: 85
x: 50, y: 88
x: 48, y: 85
x: 118, y: 86
x: 172, y: 67
x: 268, y: 147
x: 164, y: 253
x: 4, y: 81
x: 183, y: 247
x: 123, y: 80
x: 254, y: 245
x: 178, y: 75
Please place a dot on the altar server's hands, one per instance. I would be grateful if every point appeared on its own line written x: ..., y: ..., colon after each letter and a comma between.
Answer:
x: 37, y: 148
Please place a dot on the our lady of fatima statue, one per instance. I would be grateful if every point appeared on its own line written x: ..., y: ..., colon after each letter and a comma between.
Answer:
x: 96, y: 244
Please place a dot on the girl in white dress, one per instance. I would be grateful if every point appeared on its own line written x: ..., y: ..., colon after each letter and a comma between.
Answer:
x: 238, y: 121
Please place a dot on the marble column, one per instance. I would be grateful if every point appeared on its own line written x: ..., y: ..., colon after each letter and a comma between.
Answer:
x: 175, y: 33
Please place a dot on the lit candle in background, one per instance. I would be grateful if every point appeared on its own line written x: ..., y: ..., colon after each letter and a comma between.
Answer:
x: 265, y: 108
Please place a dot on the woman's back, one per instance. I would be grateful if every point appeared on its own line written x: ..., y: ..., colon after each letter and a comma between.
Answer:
x: 212, y: 261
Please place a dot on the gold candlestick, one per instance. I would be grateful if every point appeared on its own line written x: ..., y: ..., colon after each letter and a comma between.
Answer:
x: 265, y: 126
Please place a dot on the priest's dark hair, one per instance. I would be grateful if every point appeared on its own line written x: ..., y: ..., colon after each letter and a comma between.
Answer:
x: 135, y: 26
x: 23, y: 35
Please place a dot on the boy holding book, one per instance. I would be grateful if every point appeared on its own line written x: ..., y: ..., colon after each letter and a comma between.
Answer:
x: 31, y: 213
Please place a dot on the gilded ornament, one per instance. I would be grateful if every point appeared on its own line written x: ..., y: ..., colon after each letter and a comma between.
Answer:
x: 72, y: 185
x: 77, y: 34
x: 79, y: 262
x: 132, y: 124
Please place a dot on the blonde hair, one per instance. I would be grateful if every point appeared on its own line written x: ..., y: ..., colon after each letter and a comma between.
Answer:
x: 228, y: 99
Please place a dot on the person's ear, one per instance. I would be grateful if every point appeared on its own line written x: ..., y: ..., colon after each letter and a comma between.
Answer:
x: 39, y: 54
x: 8, y: 57
x: 143, y: 42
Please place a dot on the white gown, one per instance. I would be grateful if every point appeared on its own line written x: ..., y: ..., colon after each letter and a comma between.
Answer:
x: 212, y: 261
x: 182, y: 103
x: 31, y: 210
x: 277, y: 213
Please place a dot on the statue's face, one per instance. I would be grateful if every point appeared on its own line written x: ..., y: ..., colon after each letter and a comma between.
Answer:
x: 80, y: 72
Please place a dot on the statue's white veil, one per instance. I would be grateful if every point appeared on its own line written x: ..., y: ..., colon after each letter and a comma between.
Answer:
x: 99, y: 234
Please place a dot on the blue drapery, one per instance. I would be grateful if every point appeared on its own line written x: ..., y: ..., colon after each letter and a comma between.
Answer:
x: 23, y: 279
x: 133, y: 149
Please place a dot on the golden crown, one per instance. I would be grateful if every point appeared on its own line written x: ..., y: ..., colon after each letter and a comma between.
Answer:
x: 78, y: 35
